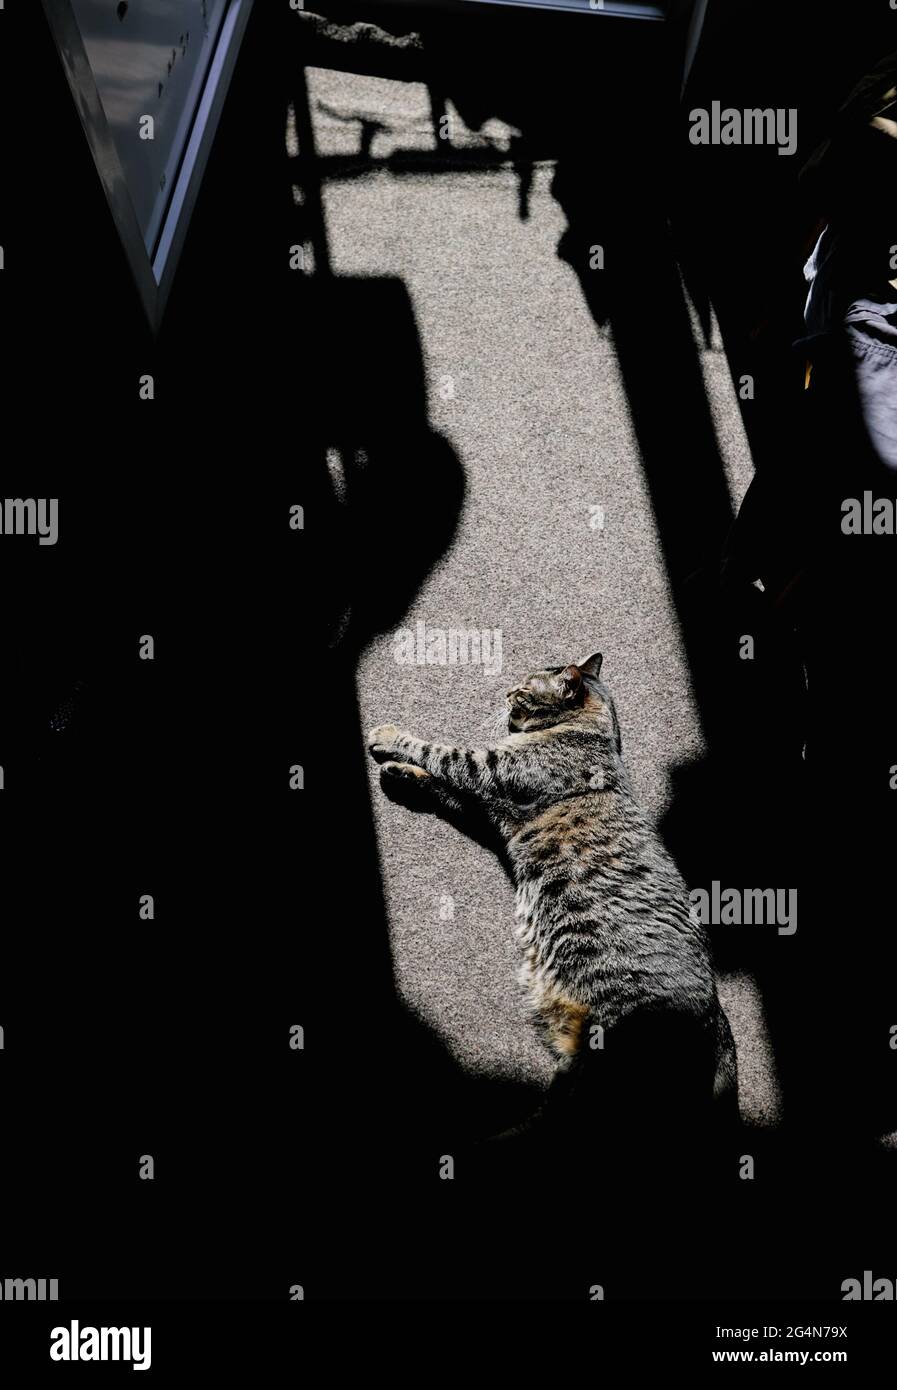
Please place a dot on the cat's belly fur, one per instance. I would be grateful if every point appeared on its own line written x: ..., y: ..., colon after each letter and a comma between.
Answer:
x: 603, y: 923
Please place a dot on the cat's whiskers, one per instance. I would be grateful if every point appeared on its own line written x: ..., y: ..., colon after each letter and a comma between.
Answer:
x: 497, y: 722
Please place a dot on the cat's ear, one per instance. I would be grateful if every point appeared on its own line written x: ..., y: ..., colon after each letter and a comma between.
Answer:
x: 592, y: 665
x: 572, y: 681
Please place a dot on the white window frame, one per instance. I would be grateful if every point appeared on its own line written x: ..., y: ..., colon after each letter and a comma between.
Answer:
x: 153, y: 273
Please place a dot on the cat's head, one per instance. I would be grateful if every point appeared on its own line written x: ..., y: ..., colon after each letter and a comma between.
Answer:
x: 551, y: 696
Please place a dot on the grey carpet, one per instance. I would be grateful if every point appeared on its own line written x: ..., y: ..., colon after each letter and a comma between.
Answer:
x: 527, y: 391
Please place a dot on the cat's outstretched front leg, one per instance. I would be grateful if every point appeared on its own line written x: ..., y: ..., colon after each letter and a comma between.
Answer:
x: 418, y: 790
x: 463, y: 769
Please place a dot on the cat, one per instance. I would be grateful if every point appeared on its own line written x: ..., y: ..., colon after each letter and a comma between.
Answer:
x: 603, y: 917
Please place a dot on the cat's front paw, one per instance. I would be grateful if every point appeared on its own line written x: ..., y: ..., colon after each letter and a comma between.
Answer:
x: 407, y: 785
x: 382, y: 741
x: 403, y: 772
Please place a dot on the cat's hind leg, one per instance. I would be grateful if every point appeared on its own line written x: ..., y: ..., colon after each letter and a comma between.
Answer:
x: 563, y: 1019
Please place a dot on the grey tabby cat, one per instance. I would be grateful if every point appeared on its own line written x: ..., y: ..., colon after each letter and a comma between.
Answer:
x: 603, y: 916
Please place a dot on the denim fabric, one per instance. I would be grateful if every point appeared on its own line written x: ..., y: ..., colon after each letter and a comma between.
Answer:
x: 869, y: 323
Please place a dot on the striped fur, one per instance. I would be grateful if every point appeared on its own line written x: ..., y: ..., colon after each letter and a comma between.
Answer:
x: 602, y: 915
